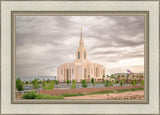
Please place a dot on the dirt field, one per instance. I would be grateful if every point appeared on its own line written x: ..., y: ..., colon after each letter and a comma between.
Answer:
x: 86, y: 90
x: 118, y: 96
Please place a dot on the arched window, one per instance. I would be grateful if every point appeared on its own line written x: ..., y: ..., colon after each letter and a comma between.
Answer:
x: 85, y: 72
x: 72, y: 71
x: 78, y: 55
x: 84, y: 55
x: 67, y: 74
x: 61, y: 71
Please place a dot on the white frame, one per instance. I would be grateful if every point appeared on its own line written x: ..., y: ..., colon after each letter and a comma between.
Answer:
x: 151, y: 108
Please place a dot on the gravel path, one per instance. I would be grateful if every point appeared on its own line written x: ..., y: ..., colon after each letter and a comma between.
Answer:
x: 119, y: 96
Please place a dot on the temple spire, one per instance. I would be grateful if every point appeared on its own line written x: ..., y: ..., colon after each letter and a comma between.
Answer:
x: 81, y: 40
x: 81, y: 33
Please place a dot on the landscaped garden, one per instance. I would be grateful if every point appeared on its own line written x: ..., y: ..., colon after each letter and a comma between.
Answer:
x: 33, y: 95
x: 32, y: 89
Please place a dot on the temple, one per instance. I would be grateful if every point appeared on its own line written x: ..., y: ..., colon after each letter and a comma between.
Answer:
x: 80, y: 68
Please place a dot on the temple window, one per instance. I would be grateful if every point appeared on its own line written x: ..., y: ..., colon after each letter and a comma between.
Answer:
x: 72, y: 71
x: 85, y: 72
x: 61, y: 71
x: 84, y: 55
x: 96, y: 72
x: 67, y: 73
x: 78, y: 55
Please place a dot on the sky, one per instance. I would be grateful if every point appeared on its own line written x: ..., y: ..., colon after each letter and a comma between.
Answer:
x: 45, y: 42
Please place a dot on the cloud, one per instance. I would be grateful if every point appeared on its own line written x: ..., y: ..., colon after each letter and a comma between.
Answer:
x: 45, y: 42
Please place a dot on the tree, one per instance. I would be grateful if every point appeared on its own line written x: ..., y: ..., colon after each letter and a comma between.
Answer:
x: 107, y: 76
x: 110, y: 83
x: 73, y: 84
x: 48, y: 80
x: 83, y: 82
x: 19, y: 85
x: 103, y: 77
x: 134, y: 82
x: 23, y: 82
x: 137, y: 77
x: 106, y: 84
x: 142, y: 83
x: 92, y: 81
x: 123, y: 76
x: 119, y: 76
x: 48, y: 85
x: 35, y: 84
x: 56, y: 81
x: 40, y: 82
x: 68, y: 82
x: 141, y: 77
x: 133, y: 76
x: 121, y: 83
x: 27, y: 82
x: 127, y: 77
x: 116, y: 81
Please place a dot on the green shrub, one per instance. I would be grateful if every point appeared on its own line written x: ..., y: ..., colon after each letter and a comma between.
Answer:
x: 56, y: 82
x: 92, y: 80
x: 121, y: 83
x: 134, y: 82
x: 33, y: 95
x: 35, y: 84
x: 83, y: 82
x: 108, y: 83
x: 27, y: 82
x: 40, y: 82
x: 73, y: 87
x: 142, y: 83
x: 19, y: 85
x: 47, y: 85
x: 68, y: 82
x: 73, y: 84
x: 117, y: 81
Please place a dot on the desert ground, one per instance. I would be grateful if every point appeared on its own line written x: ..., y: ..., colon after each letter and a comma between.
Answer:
x: 120, y: 96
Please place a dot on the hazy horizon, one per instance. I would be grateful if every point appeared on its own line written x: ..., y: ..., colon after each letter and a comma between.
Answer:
x: 45, y: 42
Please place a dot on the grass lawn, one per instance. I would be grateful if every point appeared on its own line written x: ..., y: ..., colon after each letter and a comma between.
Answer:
x: 33, y: 95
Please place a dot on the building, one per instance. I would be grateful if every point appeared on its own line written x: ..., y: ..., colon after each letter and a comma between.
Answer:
x: 131, y: 76
x: 80, y: 68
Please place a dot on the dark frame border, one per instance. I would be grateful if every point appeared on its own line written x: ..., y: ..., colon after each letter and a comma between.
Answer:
x: 81, y: 13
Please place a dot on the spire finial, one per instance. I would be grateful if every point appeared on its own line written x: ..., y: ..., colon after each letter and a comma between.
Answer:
x: 81, y: 33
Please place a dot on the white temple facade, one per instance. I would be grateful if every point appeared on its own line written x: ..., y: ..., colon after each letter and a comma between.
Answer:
x: 80, y: 68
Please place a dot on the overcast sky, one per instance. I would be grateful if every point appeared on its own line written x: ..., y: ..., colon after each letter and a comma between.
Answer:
x: 45, y: 42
